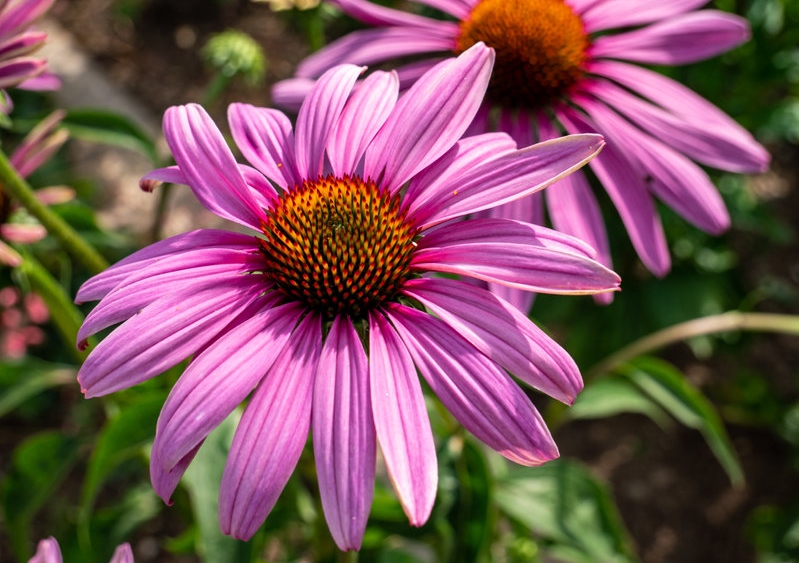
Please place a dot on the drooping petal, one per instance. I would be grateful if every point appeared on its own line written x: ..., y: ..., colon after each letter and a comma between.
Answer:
x: 429, y: 118
x: 221, y: 377
x: 608, y: 14
x: 318, y: 115
x: 20, y: 69
x: 163, y: 334
x: 460, y: 9
x: 47, y: 551
x: 98, y: 286
x: 266, y: 140
x: 401, y: 421
x: 344, y: 434
x: 17, y: 16
x: 122, y: 554
x: 164, y: 480
x: 364, y: 114
x: 377, y: 15
x: 509, y: 177
x: 683, y: 39
x: 630, y: 196
x: 271, y: 434
x: 483, y: 398
x: 208, y: 165
x: 502, y: 333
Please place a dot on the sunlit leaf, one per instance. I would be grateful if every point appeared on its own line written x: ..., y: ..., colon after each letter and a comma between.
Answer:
x: 571, y: 511
x: 111, y: 128
x: 610, y: 396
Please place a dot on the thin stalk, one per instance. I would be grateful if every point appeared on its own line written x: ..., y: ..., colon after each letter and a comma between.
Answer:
x: 19, y: 189
x: 348, y: 557
x: 725, y: 322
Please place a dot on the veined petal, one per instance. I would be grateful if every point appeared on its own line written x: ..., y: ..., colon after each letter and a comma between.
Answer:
x: 609, y: 14
x: 366, y: 111
x: 318, y: 115
x: 208, y: 165
x: 483, y: 398
x: 291, y: 92
x: 271, y: 434
x: 683, y: 39
x: 429, y: 118
x: 221, y: 377
x: 122, y: 554
x: 502, y: 333
x: 401, y: 421
x: 266, y: 140
x: 165, y: 481
x: 371, y: 46
x: 200, y: 240
x: 630, y: 196
x: 163, y: 334
x: 509, y: 177
x: 376, y: 15
x: 17, y: 16
x: 344, y: 434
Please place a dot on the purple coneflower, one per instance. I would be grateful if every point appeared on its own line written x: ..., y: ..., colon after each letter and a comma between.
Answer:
x: 327, y: 313
x: 565, y: 66
x: 17, y: 43
x: 48, y: 551
x: 34, y: 150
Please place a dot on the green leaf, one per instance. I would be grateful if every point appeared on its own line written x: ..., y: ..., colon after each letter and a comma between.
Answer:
x: 122, y: 438
x: 38, y: 466
x: 22, y: 380
x: 610, y: 396
x: 562, y: 503
x: 111, y: 128
x: 672, y: 391
x: 202, y: 480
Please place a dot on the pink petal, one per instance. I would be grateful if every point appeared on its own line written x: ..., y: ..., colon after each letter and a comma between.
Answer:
x: 271, y: 434
x: 47, y: 551
x: 344, y: 434
x: 122, y: 554
x: 165, y: 481
x: 429, y: 118
x: 599, y: 15
x: 401, y: 421
x: 483, y: 398
x: 376, y: 15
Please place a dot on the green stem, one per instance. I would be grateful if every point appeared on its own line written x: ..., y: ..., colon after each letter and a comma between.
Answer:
x: 215, y: 89
x: 725, y: 322
x: 66, y: 318
x: 19, y: 189
x: 348, y: 557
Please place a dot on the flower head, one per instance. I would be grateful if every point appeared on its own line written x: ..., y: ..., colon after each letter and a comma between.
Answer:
x: 571, y: 65
x: 48, y: 551
x: 17, y: 43
x: 34, y: 150
x: 326, y: 311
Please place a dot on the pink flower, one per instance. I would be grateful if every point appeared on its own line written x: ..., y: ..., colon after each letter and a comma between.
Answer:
x: 325, y: 315
x: 19, y: 317
x: 17, y: 43
x: 566, y: 66
x: 48, y: 551
x: 35, y: 149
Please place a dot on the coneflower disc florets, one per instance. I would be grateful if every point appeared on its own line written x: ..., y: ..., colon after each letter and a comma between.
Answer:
x: 341, y: 245
x: 540, y: 48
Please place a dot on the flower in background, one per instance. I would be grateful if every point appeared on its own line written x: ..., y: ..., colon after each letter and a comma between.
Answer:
x: 48, y: 551
x: 566, y: 66
x: 20, y: 317
x: 17, y: 43
x: 326, y: 314
x: 34, y: 150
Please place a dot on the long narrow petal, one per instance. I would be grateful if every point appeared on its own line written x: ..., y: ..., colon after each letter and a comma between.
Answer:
x: 364, y: 114
x: 401, y: 421
x: 460, y: 9
x: 208, y: 165
x: 509, y: 177
x: 165, y: 333
x: 429, y: 118
x: 266, y: 140
x: 221, y: 377
x: 47, y: 551
x: 271, y: 434
x: 501, y: 332
x: 377, y: 15
x: 483, y: 398
x: 17, y: 16
x: 372, y: 46
x: 344, y: 434
x: 122, y: 554
x: 683, y: 39
x: 609, y: 14
x: 20, y: 69
x: 630, y: 196
x: 164, y: 480
x: 98, y: 286
x: 318, y: 115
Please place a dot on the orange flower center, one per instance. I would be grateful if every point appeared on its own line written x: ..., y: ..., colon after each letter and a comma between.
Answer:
x: 341, y: 245
x: 540, y: 49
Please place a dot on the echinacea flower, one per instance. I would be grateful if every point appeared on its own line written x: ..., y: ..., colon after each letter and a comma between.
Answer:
x: 34, y: 150
x: 572, y: 65
x: 48, y: 551
x: 328, y: 309
x: 18, y: 42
